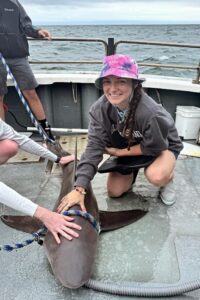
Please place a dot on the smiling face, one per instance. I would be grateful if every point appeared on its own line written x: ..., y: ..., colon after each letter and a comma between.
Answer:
x: 118, y: 90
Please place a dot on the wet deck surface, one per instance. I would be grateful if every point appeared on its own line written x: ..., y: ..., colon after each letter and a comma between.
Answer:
x: 161, y: 248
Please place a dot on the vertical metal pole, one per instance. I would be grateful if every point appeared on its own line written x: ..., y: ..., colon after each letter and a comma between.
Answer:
x: 197, y: 80
x: 111, y: 46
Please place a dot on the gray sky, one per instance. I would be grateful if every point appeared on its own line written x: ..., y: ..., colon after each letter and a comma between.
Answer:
x: 113, y: 12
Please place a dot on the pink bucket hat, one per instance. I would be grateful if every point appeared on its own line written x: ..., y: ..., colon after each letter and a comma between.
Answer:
x: 118, y: 65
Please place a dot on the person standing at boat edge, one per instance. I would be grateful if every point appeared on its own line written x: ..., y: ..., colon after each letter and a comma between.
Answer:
x: 15, y: 27
x: 126, y: 122
x: 10, y: 142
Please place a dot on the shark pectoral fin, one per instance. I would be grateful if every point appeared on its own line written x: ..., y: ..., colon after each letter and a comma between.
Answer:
x: 111, y: 220
x: 22, y: 223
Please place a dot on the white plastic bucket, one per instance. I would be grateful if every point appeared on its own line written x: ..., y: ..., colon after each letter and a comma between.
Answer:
x: 187, y: 121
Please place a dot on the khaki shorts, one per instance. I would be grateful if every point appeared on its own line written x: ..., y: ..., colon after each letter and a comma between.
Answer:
x: 22, y: 73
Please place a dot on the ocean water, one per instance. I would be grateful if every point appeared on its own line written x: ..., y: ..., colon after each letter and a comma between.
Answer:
x: 77, y: 51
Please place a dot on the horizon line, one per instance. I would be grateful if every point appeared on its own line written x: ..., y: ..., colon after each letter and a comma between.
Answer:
x: 112, y: 24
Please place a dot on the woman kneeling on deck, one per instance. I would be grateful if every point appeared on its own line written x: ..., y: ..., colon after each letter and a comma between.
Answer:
x: 10, y: 142
x: 126, y: 122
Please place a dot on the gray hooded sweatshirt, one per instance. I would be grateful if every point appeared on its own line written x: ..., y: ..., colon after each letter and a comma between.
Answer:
x: 154, y: 130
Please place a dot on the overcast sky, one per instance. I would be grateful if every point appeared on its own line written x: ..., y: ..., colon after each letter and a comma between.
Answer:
x: 71, y: 12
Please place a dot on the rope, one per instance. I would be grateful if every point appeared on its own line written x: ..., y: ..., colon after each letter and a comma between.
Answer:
x: 37, y: 236
x: 85, y: 215
x: 31, y: 115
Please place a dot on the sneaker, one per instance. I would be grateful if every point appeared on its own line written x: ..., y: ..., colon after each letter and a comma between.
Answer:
x: 167, y: 194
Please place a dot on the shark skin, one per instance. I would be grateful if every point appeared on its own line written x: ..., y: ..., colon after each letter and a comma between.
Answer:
x: 72, y: 261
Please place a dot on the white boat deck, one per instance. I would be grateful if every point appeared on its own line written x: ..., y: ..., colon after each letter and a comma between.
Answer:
x: 152, y: 81
x: 161, y: 248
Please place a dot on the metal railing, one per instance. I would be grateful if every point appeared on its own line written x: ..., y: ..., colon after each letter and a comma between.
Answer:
x: 163, y: 44
x: 63, y: 39
x: 110, y: 47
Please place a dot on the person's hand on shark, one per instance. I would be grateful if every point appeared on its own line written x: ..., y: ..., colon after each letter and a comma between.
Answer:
x: 66, y: 159
x: 57, y: 224
x: 76, y: 196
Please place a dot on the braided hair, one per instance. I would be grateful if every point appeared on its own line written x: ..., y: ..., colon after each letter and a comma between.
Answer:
x: 130, y: 120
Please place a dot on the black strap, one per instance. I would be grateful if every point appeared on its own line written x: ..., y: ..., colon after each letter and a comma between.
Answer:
x: 125, y: 164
